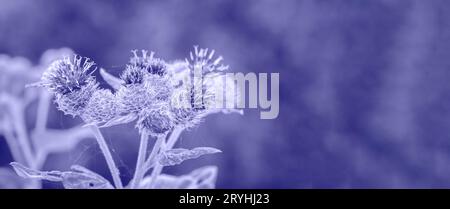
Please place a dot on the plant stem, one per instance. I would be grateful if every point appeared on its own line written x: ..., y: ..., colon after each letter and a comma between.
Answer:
x: 42, y: 111
x: 139, y: 171
x: 155, y: 173
x: 108, y: 157
x: 157, y: 169
x: 159, y: 144
x: 174, y: 137
x: 14, y: 146
x: 21, y: 131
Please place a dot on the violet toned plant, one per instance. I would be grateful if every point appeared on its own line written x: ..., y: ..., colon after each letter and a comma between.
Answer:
x: 163, y: 100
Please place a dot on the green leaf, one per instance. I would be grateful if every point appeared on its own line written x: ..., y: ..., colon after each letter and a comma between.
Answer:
x: 177, y: 156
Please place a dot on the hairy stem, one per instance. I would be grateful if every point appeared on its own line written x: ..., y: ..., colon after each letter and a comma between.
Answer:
x: 157, y: 169
x: 139, y: 171
x: 159, y: 144
x: 108, y: 157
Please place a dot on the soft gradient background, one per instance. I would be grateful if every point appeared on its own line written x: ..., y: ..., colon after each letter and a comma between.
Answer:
x: 365, y: 94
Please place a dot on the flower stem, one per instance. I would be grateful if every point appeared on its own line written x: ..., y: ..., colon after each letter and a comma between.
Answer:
x: 155, y: 173
x: 139, y: 171
x: 157, y: 169
x: 159, y: 144
x: 174, y: 137
x: 21, y: 131
x: 108, y: 157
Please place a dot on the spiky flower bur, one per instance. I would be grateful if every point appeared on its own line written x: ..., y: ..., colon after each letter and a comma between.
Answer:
x: 132, y: 98
x: 188, y: 107
x: 73, y: 103
x: 132, y: 75
x: 148, y: 63
x: 194, y: 98
x: 201, y: 58
x: 156, y: 120
x: 145, y: 82
x: 71, y: 81
x: 160, y: 86
x: 101, y: 107
x: 68, y: 74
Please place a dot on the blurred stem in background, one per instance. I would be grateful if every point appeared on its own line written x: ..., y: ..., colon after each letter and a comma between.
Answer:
x: 20, y: 143
x: 108, y: 157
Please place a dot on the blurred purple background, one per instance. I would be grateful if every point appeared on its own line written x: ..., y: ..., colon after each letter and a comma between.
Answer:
x: 364, y: 93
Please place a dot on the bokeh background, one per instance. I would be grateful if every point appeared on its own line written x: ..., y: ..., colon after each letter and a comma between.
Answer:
x: 364, y: 85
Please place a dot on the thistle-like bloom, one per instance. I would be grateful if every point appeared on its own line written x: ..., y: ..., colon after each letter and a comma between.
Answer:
x: 159, y: 94
x: 145, y: 81
x: 201, y: 58
x: 146, y: 91
x: 156, y: 120
x: 196, y: 97
x: 133, y: 98
x: 71, y: 80
x: 189, y: 107
x: 101, y: 107
x: 132, y: 75
x: 148, y: 63
x: 68, y: 75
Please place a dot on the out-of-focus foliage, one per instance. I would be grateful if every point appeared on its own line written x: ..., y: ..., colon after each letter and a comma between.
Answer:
x: 30, y: 146
x: 10, y: 180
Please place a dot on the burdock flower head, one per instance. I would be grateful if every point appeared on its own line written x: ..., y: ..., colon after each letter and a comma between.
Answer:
x: 141, y: 65
x: 144, y: 81
x: 156, y: 120
x: 71, y: 80
x: 101, y: 107
x: 201, y: 77
x: 145, y: 93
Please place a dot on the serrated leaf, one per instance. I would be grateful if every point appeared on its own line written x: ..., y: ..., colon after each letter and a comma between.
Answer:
x: 83, y: 178
x: 29, y: 173
x: 120, y: 120
x: 177, y: 156
x: 110, y: 79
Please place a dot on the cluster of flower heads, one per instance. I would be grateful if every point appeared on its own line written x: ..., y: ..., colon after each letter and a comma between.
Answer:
x: 150, y: 90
